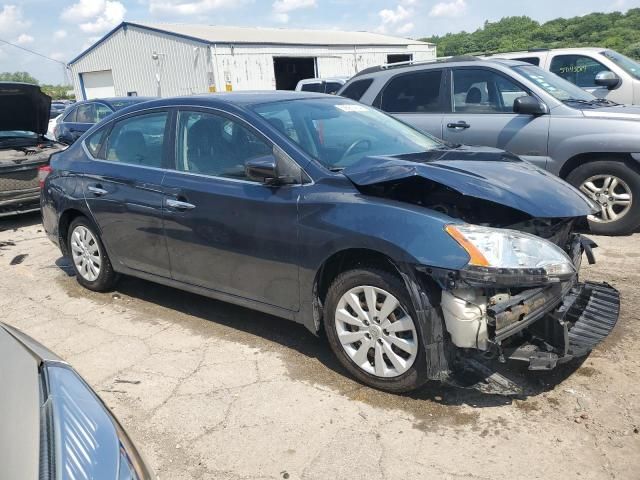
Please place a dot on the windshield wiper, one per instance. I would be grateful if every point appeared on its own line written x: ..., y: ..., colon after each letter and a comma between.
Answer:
x: 592, y: 102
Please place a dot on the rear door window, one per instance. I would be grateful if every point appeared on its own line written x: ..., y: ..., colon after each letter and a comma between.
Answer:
x: 101, y: 112
x: 355, y: 90
x: 70, y: 117
x: 417, y: 92
x: 138, y: 140
x: 484, y: 91
x: 578, y: 69
x: 332, y: 87
x: 86, y: 113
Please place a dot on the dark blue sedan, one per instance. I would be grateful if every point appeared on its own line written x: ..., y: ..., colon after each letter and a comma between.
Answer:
x: 417, y: 258
x: 81, y: 116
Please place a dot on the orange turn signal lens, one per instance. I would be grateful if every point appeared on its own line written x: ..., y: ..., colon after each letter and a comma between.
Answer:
x: 477, y: 258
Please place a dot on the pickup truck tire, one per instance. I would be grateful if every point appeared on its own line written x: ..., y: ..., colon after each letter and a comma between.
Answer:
x: 89, y: 257
x: 380, y: 346
x: 595, y: 180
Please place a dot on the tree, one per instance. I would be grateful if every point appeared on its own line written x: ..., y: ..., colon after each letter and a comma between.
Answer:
x: 18, y: 77
x: 613, y: 30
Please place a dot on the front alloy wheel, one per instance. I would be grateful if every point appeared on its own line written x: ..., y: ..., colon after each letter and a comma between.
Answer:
x: 376, y: 332
x: 373, y: 329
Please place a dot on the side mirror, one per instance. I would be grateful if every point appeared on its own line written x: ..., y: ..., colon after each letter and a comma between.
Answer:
x: 262, y: 169
x: 607, y: 79
x: 529, y: 105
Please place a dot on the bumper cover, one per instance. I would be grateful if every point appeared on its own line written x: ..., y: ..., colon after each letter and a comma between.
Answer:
x: 555, y: 326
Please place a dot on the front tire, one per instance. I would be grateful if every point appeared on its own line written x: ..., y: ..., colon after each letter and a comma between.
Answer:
x: 374, y: 331
x: 616, y: 189
x: 89, y: 257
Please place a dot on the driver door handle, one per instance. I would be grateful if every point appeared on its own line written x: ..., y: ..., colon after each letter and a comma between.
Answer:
x: 178, y: 205
x: 459, y: 125
x: 97, y: 191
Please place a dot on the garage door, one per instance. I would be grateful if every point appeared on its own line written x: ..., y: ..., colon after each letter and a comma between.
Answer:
x: 98, y: 84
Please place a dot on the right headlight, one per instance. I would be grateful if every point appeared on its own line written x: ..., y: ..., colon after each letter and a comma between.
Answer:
x: 509, y: 257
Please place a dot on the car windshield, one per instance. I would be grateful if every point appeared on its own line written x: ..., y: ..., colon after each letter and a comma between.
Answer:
x: 630, y: 66
x: 558, y: 87
x: 339, y: 132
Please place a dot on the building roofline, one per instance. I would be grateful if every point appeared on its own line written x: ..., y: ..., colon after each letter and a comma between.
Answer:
x: 124, y: 25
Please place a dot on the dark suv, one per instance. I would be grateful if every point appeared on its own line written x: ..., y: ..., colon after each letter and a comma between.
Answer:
x: 591, y: 142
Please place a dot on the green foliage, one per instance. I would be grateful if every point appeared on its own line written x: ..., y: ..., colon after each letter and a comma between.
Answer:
x: 614, y: 30
x: 56, y: 92
x: 17, y: 77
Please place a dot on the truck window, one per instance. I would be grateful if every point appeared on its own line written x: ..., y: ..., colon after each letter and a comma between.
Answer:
x: 532, y: 60
x: 578, y: 69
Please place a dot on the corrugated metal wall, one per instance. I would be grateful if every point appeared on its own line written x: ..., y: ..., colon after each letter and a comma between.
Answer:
x: 186, y: 67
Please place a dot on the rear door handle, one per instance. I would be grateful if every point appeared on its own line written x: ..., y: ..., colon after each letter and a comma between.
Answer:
x: 97, y: 191
x: 461, y: 125
x: 178, y: 205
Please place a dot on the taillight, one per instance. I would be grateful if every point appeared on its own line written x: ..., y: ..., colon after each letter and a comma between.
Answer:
x: 43, y: 173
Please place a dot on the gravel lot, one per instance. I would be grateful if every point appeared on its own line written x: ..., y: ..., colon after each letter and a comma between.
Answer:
x: 209, y: 390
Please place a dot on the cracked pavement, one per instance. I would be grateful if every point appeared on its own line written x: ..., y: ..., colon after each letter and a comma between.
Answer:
x: 210, y: 390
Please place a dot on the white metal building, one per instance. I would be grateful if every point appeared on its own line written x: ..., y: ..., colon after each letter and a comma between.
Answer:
x: 166, y: 60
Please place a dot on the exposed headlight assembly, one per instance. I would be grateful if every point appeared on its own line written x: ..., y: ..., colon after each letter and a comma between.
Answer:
x: 509, y: 257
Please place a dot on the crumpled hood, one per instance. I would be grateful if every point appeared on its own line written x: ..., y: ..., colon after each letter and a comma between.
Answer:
x: 617, y: 112
x: 23, y: 107
x: 481, y: 172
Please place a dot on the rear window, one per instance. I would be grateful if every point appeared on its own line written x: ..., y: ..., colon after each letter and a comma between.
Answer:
x: 417, y: 92
x: 532, y: 60
x: 355, y: 90
x: 312, y: 87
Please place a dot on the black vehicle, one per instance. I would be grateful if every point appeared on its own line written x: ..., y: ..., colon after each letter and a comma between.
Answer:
x: 54, y: 426
x: 24, y: 117
x: 414, y: 256
x: 81, y: 116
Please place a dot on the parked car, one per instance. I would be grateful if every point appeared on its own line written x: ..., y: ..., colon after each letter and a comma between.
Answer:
x: 24, y: 117
x: 56, y: 109
x: 592, y: 143
x: 315, y: 208
x: 79, y: 117
x: 603, y: 72
x: 321, y: 85
x: 54, y: 426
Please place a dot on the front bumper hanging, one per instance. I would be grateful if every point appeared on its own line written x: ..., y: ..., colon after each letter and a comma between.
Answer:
x: 554, y: 327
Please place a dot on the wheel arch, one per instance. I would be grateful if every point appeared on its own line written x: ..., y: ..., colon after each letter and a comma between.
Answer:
x: 582, y: 158
x: 68, y: 216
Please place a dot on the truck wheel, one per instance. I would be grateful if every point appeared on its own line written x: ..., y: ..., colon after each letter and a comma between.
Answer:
x: 616, y: 189
x: 373, y: 330
x: 89, y: 257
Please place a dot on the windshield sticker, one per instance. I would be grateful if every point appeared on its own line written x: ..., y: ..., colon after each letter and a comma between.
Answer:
x: 347, y: 107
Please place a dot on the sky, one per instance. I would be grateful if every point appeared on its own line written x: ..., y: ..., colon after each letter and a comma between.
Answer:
x: 61, y: 29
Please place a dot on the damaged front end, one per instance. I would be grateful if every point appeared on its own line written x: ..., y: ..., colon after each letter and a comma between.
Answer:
x: 519, y: 297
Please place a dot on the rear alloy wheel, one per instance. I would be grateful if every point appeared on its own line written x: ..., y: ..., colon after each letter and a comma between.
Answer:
x: 90, y: 261
x: 616, y: 189
x: 373, y: 330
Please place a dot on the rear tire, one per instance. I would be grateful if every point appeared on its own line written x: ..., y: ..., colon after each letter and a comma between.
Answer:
x: 619, y: 216
x: 393, y: 358
x: 89, y: 257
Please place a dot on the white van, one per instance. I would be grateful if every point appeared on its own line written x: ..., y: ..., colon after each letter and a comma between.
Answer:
x: 603, y: 72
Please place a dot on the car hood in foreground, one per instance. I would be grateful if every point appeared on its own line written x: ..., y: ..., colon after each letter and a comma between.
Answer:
x: 23, y: 107
x: 485, y: 173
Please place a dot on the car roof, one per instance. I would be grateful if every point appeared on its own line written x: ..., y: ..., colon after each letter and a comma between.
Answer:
x: 110, y: 100
x: 464, y: 60
x: 542, y: 51
x: 245, y: 97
